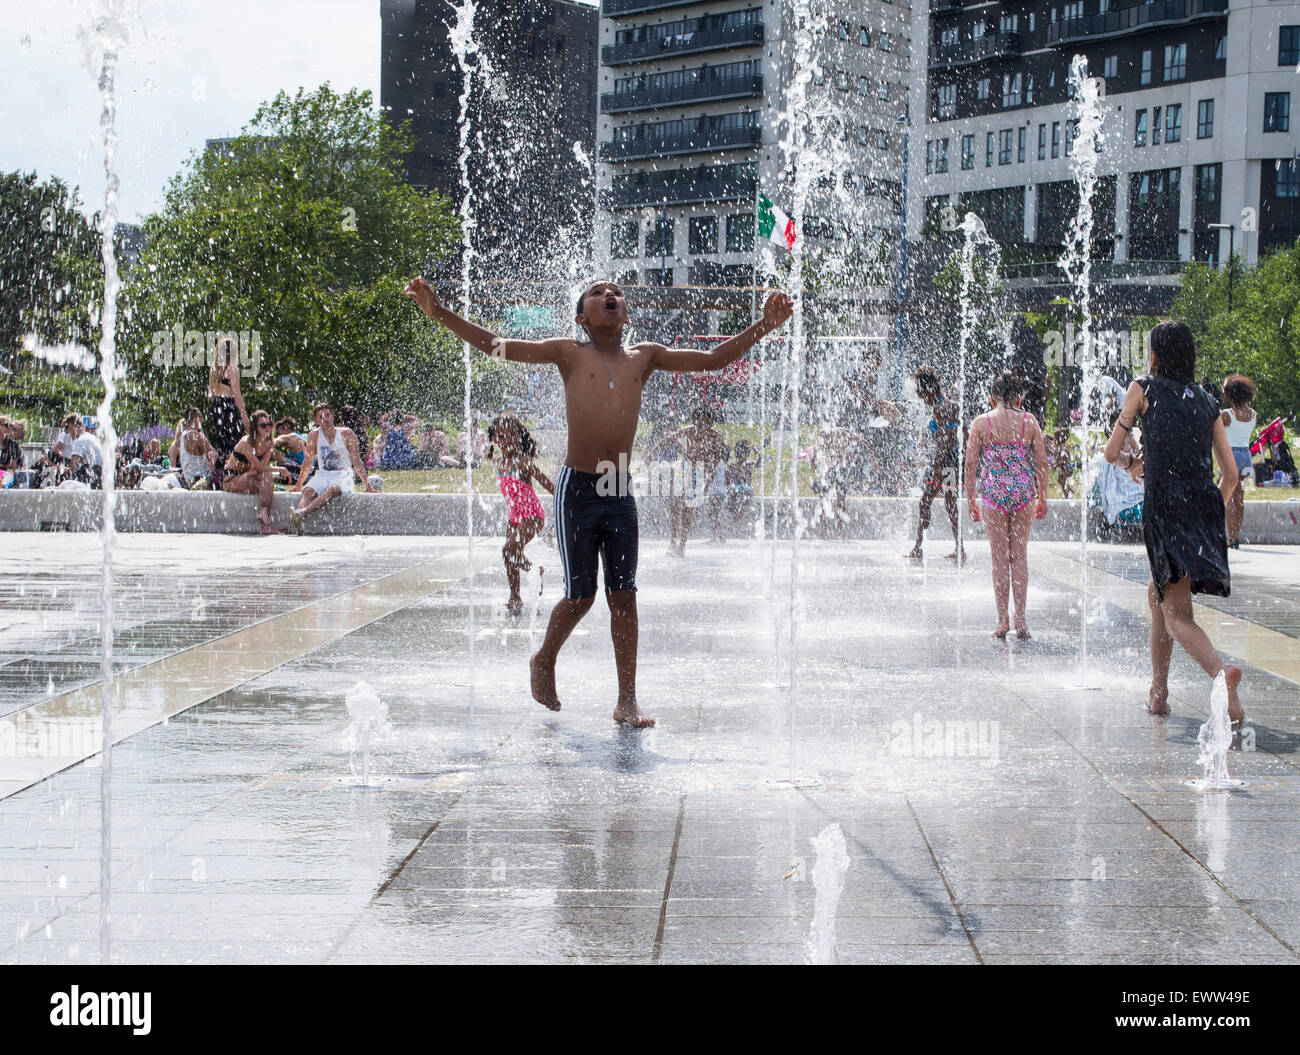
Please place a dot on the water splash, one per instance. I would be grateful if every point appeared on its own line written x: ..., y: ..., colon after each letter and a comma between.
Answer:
x: 367, y: 726
x: 828, y: 880
x: 1214, y: 741
x: 1086, y: 94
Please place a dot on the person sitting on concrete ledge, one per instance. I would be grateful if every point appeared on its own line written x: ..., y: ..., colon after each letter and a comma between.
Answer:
x: 86, y: 459
x: 336, y: 454
x: 249, y: 471
x: 291, y: 446
x: 192, y: 452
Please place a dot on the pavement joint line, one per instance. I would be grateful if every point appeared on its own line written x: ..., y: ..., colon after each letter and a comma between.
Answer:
x: 952, y: 897
x: 1254, y: 643
x: 668, y: 881
x: 416, y: 582
x: 1196, y: 861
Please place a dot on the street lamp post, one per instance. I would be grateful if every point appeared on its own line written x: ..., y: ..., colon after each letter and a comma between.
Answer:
x: 1231, y: 243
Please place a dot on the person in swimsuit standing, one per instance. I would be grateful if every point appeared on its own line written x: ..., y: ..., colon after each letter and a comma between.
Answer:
x: 595, y: 510
x: 512, y: 450
x: 1182, y: 510
x: 227, y: 418
x: 1006, y: 459
x: 1239, y: 422
x: 945, y: 430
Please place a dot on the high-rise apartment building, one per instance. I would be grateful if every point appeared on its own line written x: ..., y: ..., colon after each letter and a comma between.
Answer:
x: 693, y: 112
x: 531, y: 113
x: 1199, y: 144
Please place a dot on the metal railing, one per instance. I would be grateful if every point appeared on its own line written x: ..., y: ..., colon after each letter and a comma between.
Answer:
x: 989, y: 46
x: 1128, y: 19
x: 683, y: 44
x: 613, y: 8
x: 1102, y: 270
x: 703, y: 141
x: 706, y: 88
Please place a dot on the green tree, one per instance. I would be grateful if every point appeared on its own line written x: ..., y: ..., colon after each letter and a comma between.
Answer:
x: 50, y: 276
x: 303, y: 231
x: 1258, y: 336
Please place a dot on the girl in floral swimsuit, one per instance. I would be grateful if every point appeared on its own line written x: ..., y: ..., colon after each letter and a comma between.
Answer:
x: 512, y: 449
x: 1006, y: 459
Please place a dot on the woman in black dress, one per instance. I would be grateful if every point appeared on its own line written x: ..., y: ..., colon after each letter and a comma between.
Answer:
x: 1182, y: 511
x: 227, y: 418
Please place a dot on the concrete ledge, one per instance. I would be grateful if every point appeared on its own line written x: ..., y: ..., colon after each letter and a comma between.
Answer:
x: 1267, y: 523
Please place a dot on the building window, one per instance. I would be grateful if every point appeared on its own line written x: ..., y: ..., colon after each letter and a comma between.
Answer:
x: 864, y: 85
x: 844, y: 31
x: 1174, y: 123
x: 1029, y: 89
x: 1140, y: 129
x: 703, y: 235
x: 864, y: 135
x: 947, y: 100
x: 1288, y: 178
x: 1005, y: 140
x: 982, y: 89
x: 1175, y: 62
x: 1277, y: 111
x: 1071, y: 134
x: 948, y: 36
x: 864, y: 36
x: 1155, y: 126
x: 1110, y: 68
x: 941, y: 155
x: 655, y: 276
x: 988, y: 151
x: 1145, y: 76
x: 623, y: 239
x: 1009, y: 24
x: 968, y: 152
x: 1056, y: 139
x: 882, y: 143
x: 1010, y: 90
x: 740, y: 232
x: 1205, y: 119
x: 886, y: 42
x: 978, y: 30
x: 1031, y: 21
x: 659, y: 239
x: 1288, y: 46
x: 1020, y: 145
x: 929, y: 157
x: 1042, y: 142
x: 883, y: 91
x: 1072, y: 11
x: 1220, y: 48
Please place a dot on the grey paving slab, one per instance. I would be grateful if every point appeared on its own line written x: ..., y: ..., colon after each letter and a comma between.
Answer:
x: 992, y: 811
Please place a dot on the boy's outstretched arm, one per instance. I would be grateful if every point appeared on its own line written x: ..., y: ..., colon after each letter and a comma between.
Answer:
x: 776, y: 310
x: 420, y: 291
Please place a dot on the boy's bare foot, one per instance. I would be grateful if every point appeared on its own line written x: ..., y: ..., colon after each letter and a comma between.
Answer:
x: 953, y: 556
x: 1022, y: 630
x: 914, y: 555
x: 1004, y: 627
x: 515, y: 606
x: 1158, y: 702
x: 541, y: 677
x: 1236, y: 714
x: 630, y: 714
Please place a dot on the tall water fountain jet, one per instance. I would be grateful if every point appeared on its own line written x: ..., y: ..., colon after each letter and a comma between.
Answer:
x: 1086, y: 94
x: 103, y: 40
x: 792, y: 148
x: 828, y: 882
x: 1214, y: 741
x: 461, y: 36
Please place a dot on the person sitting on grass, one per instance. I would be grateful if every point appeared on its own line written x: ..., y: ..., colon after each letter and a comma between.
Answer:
x: 248, y: 469
x: 595, y: 509
x: 335, y: 453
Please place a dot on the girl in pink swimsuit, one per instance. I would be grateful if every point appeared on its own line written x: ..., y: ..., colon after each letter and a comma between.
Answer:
x: 1006, y: 459
x: 512, y: 450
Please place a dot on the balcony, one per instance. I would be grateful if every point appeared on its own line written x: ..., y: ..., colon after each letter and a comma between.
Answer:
x: 704, y: 141
x: 682, y: 44
x: 698, y: 91
x: 685, y: 192
x: 1133, y: 19
x: 965, y: 52
x: 620, y: 8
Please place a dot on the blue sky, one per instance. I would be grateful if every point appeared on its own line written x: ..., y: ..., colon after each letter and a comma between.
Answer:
x: 194, y: 71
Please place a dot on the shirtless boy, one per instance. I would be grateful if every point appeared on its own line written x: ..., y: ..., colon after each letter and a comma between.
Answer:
x: 595, y: 515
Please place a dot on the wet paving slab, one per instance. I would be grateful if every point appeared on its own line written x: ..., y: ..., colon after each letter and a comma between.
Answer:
x: 996, y: 806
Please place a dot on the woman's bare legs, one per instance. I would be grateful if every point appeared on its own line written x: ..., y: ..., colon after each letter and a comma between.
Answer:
x: 1236, y: 512
x: 998, y: 527
x: 1019, y: 524
x: 1179, y: 621
x: 1162, y: 650
x: 260, y: 484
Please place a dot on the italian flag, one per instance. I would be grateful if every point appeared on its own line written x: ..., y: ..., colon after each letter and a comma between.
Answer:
x: 774, y: 225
